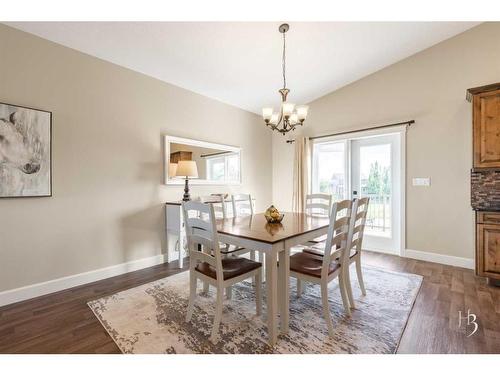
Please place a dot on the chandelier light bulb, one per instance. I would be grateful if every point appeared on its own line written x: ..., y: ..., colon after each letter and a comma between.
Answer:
x: 302, y: 112
x: 294, y: 119
x: 288, y: 109
x: 274, y: 118
x: 267, y: 113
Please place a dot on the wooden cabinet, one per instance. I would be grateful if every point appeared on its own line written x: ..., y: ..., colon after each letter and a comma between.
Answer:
x: 488, y: 244
x: 178, y: 156
x: 485, y: 182
x: 486, y: 126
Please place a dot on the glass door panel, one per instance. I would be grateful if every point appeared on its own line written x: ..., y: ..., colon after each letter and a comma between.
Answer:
x: 375, y: 174
x: 329, y: 169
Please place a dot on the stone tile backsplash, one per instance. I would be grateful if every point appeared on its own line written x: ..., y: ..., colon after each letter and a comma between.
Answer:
x: 485, y: 190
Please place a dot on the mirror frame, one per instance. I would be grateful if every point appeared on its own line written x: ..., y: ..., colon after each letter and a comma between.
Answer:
x: 192, y: 142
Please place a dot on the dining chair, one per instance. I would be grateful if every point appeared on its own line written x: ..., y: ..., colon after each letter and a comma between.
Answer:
x: 219, y: 204
x: 242, y: 205
x: 322, y: 270
x: 208, y: 264
x: 220, y: 210
x: 358, y: 218
x: 318, y: 204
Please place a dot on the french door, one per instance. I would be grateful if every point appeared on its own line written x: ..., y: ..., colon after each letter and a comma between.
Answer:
x: 375, y: 173
x: 366, y: 165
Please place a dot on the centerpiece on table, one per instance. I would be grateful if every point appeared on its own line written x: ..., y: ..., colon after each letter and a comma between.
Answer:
x: 273, y: 216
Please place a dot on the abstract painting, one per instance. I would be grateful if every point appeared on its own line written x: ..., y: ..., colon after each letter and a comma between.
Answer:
x: 25, y: 152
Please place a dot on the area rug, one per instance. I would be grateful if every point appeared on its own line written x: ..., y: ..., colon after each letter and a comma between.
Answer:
x: 151, y: 318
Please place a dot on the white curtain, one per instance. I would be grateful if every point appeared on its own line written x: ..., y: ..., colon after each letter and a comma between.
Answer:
x: 301, y: 174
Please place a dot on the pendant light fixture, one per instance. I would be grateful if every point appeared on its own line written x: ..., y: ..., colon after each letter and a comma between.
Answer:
x: 289, y: 115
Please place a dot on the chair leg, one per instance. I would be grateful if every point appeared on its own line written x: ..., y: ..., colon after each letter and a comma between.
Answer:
x: 326, y: 308
x: 343, y: 294
x: 360, y: 276
x: 348, y: 287
x: 192, y: 294
x: 229, y: 292
x: 218, y: 314
x: 299, y: 287
x: 258, y: 292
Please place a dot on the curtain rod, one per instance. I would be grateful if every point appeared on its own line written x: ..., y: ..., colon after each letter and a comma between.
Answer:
x: 215, y: 154
x: 409, y: 123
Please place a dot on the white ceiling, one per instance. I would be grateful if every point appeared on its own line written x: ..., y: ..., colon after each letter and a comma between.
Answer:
x: 240, y: 63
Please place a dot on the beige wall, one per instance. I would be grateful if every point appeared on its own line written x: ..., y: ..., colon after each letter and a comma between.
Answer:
x: 107, y: 204
x: 430, y: 88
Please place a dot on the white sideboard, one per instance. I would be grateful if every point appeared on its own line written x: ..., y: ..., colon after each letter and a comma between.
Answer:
x: 176, y: 236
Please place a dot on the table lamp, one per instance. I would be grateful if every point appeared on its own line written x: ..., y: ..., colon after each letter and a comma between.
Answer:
x: 172, y: 170
x: 186, y: 169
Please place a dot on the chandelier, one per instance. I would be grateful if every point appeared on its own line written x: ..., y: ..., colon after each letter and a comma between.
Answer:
x: 289, y: 115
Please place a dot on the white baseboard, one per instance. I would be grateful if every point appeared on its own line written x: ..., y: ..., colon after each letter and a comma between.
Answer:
x: 35, y: 290
x: 377, y: 250
x: 439, y: 258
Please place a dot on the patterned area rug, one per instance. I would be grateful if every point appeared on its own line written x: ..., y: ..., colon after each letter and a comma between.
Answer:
x: 150, y: 318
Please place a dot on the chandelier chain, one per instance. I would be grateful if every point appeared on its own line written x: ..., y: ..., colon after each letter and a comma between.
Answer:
x: 284, y: 61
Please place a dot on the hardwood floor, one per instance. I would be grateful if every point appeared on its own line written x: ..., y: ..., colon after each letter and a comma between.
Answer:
x: 62, y: 322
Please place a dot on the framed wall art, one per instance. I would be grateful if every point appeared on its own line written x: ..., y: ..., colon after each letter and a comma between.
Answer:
x: 25, y: 152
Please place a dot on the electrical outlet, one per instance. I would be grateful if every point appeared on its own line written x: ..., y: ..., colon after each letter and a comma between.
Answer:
x: 422, y: 181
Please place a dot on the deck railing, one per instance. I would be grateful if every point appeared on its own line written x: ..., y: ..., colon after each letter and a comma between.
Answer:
x: 379, y: 212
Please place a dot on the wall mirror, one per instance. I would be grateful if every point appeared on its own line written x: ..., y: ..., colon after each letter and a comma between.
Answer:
x: 216, y: 164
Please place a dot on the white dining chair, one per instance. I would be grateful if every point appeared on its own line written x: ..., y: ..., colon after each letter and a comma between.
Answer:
x: 220, y: 207
x: 358, y: 217
x: 220, y: 210
x: 318, y: 204
x: 358, y: 220
x: 208, y: 265
x: 322, y: 270
x: 242, y: 205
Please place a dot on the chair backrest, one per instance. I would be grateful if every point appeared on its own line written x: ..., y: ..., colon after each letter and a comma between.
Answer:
x: 318, y: 204
x: 358, y: 222
x: 201, y: 229
x: 338, y: 239
x: 242, y: 205
x: 218, y: 203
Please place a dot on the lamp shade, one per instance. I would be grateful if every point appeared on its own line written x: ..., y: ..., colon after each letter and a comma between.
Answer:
x: 187, y: 168
x: 172, y: 169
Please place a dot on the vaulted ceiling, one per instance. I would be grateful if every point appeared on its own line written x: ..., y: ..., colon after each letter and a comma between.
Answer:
x: 240, y: 63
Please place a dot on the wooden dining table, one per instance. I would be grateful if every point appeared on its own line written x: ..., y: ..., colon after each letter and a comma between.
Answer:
x: 275, y: 241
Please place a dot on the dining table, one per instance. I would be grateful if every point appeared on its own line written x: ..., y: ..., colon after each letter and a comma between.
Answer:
x: 274, y: 240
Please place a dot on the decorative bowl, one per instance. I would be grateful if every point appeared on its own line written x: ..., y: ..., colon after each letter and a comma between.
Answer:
x: 273, y: 216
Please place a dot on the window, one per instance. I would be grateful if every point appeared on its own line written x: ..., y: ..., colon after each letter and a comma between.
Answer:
x: 329, y: 169
x: 224, y: 168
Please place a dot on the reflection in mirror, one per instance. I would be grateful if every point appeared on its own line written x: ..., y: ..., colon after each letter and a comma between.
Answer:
x: 217, y: 164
